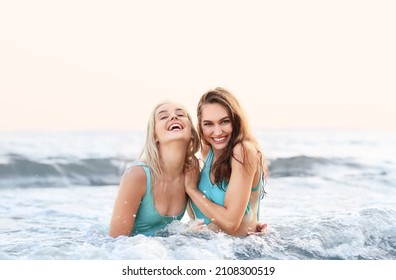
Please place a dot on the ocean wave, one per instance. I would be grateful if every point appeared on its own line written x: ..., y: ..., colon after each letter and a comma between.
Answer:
x: 296, y: 166
x: 367, y: 234
x: 328, y: 168
x: 20, y: 171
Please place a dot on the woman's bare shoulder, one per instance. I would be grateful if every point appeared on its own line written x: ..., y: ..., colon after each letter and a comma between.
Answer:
x: 134, y: 179
x: 245, y: 149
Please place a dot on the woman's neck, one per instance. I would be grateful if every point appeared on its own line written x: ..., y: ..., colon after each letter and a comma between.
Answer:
x: 172, y: 157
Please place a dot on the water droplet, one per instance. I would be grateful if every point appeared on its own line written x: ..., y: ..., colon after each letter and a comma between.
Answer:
x: 125, y: 202
x: 134, y: 215
x: 203, y: 196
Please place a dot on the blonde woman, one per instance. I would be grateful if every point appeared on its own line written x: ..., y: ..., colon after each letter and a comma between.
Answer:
x: 152, y: 192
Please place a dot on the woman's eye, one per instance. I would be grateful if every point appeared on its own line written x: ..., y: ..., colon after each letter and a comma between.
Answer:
x: 163, y: 117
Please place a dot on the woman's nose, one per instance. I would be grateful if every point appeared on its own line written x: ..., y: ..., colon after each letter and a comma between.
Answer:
x: 174, y: 116
x: 217, y: 130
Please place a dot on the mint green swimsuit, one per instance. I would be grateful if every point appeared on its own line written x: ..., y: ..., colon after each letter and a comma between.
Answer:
x: 213, y: 192
x: 148, y: 221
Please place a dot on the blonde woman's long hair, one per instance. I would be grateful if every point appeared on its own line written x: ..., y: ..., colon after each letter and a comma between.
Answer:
x: 150, y: 153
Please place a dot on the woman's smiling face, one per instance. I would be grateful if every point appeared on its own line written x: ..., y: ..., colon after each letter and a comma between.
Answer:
x: 172, y: 123
x: 216, y: 125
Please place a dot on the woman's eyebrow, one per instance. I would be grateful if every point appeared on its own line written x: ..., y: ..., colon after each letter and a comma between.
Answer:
x: 163, y: 111
x: 222, y: 119
x: 177, y: 110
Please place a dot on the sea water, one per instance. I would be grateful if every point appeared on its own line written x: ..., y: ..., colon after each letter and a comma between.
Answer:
x: 330, y: 195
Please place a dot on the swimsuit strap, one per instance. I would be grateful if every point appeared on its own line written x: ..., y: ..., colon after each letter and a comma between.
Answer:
x: 148, y: 175
x: 209, y: 159
x: 260, y: 182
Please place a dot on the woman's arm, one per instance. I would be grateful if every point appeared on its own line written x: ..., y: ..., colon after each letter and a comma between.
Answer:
x: 229, y: 216
x: 190, y: 212
x: 130, y: 193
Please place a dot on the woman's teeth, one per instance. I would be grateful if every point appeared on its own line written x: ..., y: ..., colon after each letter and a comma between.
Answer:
x: 219, y: 139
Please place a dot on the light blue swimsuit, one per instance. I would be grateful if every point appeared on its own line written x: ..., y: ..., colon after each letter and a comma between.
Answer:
x: 148, y: 221
x: 213, y: 192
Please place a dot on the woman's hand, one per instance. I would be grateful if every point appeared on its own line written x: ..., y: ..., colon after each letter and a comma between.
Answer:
x: 191, y: 176
x: 195, y: 225
x: 260, y: 229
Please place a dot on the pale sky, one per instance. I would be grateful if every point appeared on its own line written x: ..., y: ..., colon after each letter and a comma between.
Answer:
x: 91, y: 65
